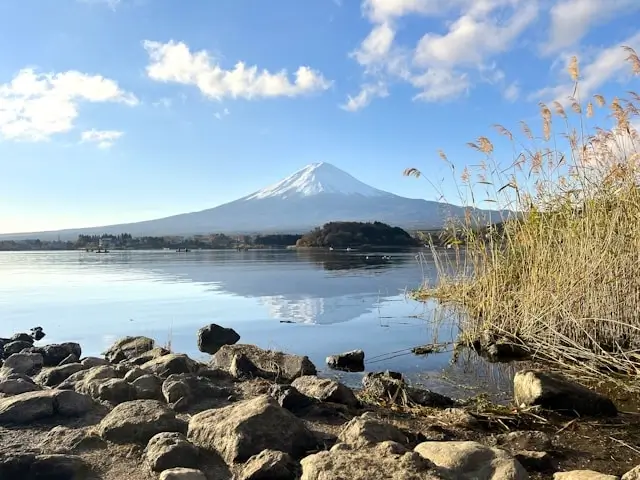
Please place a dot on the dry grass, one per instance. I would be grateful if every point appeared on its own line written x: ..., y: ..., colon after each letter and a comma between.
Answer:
x: 565, y: 277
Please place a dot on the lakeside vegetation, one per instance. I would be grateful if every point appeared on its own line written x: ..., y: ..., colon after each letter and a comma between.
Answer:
x: 357, y: 234
x: 564, y: 280
x: 126, y: 241
x: 337, y: 234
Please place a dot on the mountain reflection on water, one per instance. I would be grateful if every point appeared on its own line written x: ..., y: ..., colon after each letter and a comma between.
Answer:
x: 310, y: 302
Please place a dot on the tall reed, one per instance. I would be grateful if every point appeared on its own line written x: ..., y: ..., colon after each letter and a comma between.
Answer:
x: 563, y: 276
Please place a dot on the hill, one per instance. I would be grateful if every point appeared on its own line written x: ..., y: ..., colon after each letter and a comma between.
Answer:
x: 357, y: 234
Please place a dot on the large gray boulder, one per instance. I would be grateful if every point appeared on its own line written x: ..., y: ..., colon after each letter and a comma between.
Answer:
x: 325, y: 390
x: 128, y: 347
x: 170, y: 364
x: 54, y: 376
x: 239, y: 431
x: 90, y: 362
x: 180, y: 473
x: 148, y: 387
x: 15, y: 347
x: 46, y: 467
x: 64, y: 440
x: 70, y: 404
x: 25, y: 408
x: 212, y: 337
x: 290, y: 398
x: 352, y: 361
x: 583, y: 475
x: 137, y: 421
x: 22, y: 337
x: 134, y: 373
x: 391, y: 462
x: 82, y: 378
x: 22, y: 363
x: 100, y: 372
x: 169, y: 450
x: 112, y: 390
x: 268, y: 364
x: 186, y: 389
x: 473, y: 461
x: 100, y: 383
x: 30, y: 406
x: 16, y: 386
x: 554, y: 392
x: 271, y: 465
x: 367, y: 430
x: 147, y: 356
x: 55, y: 353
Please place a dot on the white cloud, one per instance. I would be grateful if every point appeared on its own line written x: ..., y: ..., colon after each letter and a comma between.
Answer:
x: 223, y: 113
x: 470, y: 40
x: 440, y: 84
x: 104, y: 138
x: 441, y: 64
x: 609, y: 64
x: 35, y: 106
x: 174, y: 62
x: 367, y: 93
x: 572, y: 19
x: 375, y: 48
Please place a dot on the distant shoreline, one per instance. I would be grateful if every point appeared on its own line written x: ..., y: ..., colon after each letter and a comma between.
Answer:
x: 365, y: 248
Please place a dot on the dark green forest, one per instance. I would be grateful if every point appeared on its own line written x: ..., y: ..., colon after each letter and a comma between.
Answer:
x: 357, y: 234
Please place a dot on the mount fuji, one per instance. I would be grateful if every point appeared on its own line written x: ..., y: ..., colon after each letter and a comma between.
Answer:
x: 316, y: 194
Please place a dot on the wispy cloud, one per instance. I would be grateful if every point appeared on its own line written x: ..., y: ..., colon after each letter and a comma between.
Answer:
x: 512, y: 92
x: 103, y: 138
x: 607, y: 65
x: 572, y: 19
x: 163, y: 102
x: 223, y: 113
x: 367, y: 93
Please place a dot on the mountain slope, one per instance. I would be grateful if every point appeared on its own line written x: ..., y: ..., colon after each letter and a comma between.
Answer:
x: 316, y: 194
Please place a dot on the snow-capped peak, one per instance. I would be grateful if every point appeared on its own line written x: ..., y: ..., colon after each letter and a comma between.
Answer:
x: 315, y: 179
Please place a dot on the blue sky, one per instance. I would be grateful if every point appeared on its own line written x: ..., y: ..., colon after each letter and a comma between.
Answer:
x: 115, y: 111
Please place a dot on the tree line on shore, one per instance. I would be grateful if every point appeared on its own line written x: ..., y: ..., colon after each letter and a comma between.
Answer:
x: 332, y: 234
x: 126, y: 241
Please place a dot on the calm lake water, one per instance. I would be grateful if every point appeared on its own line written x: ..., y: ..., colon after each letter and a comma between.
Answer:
x: 314, y: 303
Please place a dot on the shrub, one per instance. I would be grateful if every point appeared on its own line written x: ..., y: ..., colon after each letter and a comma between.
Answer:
x: 563, y: 275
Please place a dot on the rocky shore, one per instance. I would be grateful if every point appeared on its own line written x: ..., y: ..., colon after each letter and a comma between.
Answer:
x: 143, y: 412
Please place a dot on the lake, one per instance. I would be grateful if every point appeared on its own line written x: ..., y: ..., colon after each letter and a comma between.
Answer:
x: 308, y: 302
